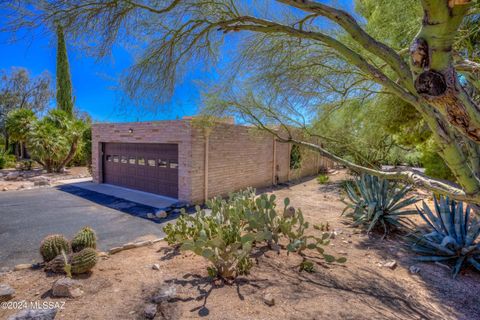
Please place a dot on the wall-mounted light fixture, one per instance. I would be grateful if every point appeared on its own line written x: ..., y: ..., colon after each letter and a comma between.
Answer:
x: 130, y: 130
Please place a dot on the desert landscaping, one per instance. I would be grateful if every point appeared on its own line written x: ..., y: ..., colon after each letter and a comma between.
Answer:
x: 220, y: 159
x: 157, y: 281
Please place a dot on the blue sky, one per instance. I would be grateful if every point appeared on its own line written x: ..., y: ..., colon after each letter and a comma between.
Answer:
x: 94, y: 81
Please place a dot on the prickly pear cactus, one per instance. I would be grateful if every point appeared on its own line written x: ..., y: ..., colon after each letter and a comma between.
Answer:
x: 85, y: 238
x: 52, y: 245
x: 83, y: 261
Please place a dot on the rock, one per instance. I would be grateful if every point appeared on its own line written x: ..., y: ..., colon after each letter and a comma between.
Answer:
x: 129, y: 245
x: 269, y: 300
x: 102, y: 254
x: 35, y: 314
x: 150, y: 310
x: 342, y: 252
x: 143, y: 243
x: 22, y: 266
x: 67, y: 288
x: 115, y: 250
x: 161, y: 214
x: 5, y: 189
x: 12, y: 176
x: 150, y: 215
x: 6, y: 292
x: 392, y: 264
x: 41, y: 183
x: 156, y: 266
x: 414, y: 269
x: 165, y: 293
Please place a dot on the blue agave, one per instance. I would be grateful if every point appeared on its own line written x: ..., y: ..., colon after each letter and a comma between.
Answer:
x: 377, y: 202
x: 451, y: 236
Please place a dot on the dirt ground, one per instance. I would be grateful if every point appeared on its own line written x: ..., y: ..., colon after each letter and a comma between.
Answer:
x: 27, y: 178
x: 120, y: 286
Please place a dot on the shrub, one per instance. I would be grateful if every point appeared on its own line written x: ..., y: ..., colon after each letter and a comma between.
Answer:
x: 6, y: 160
x: 227, y: 235
x: 451, y: 234
x: 376, y: 202
x: 322, y: 179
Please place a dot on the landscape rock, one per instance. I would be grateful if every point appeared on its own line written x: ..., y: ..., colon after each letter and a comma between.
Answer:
x: 115, y: 250
x: 102, y: 254
x: 41, y: 183
x: 22, y: 266
x: 161, y: 214
x: 392, y: 264
x: 269, y: 300
x: 5, y: 189
x: 414, y: 269
x: 67, y: 288
x: 12, y: 176
x: 150, y: 215
x: 150, y: 310
x: 35, y: 314
x: 6, y: 292
x: 156, y: 266
x: 165, y: 293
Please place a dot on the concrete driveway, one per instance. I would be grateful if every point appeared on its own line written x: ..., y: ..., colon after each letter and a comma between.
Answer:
x: 26, y: 217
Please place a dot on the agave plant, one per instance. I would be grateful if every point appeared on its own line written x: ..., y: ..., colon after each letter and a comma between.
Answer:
x: 451, y: 236
x: 377, y: 202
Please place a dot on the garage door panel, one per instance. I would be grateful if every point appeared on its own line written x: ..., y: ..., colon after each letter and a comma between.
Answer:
x: 142, y: 166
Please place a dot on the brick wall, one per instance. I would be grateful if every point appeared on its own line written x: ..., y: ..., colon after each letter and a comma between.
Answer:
x: 147, y: 132
x: 238, y: 156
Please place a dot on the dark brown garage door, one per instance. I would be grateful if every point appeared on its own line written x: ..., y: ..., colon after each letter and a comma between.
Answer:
x: 143, y: 166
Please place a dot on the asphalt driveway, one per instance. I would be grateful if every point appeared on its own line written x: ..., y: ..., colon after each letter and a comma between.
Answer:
x: 26, y: 217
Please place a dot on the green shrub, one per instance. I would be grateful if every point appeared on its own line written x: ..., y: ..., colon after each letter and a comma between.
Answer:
x: 226, y: 235
x: 6, y: 160
x: 451, y: 235
x: 322, y: 179
x: 378, y: 203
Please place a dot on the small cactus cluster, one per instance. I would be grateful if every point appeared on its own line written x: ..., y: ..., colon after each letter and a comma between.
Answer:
x: 75, y: 257
x: 75, y: 263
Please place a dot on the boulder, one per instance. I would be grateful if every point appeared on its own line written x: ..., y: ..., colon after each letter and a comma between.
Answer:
x: 35, y: 314
x: 67, y: 288
x: 150, y: 310
x: 41, y: 181
x: 161, y: 214
x: 392, y: 264
x: 269, y: 300
x: 14, y: 175
x: 165, y: 293
x: 156, y: 266
x: 6, y: 292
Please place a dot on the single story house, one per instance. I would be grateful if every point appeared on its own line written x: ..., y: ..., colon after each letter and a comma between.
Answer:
x: 188, y: 162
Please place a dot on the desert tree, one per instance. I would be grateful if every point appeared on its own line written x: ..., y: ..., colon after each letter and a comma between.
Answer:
x: 19, y: 90
x: 64, y: 81
x: 439, y: 81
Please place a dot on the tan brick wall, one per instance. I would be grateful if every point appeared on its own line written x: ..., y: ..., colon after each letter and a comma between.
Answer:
x: 238, y: 156
x: 148, y: 132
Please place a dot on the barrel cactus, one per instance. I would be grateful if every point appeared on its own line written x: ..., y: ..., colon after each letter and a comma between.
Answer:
x: 53, y: 245
x: 57, y: 264
x: 83, y: 261
x: 85, y: 238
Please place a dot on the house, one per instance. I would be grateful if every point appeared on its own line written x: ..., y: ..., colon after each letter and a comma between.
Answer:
x: 183, y: 160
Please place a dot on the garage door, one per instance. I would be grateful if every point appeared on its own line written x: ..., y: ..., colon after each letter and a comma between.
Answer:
x: 143, y: 166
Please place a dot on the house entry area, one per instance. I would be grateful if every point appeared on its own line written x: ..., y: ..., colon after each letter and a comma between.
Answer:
x: 149, y: 167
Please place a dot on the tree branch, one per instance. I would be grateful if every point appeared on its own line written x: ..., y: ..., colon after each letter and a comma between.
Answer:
x: 260, y: 25
x: 350, y: 25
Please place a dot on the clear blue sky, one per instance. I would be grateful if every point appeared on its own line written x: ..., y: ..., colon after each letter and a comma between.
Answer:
x: 93, y: 81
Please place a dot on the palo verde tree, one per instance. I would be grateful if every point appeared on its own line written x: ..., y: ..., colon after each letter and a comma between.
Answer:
x: 431, y: 75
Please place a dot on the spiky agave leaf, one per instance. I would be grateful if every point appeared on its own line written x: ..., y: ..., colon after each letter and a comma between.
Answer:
x: 378, y: 203
x: 451, y: 236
